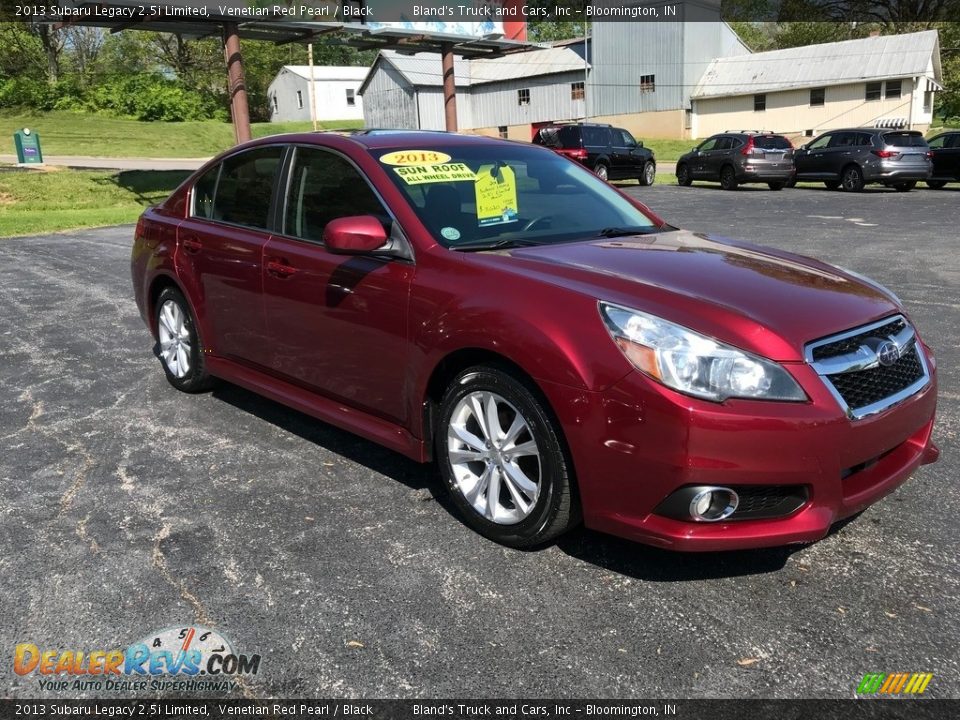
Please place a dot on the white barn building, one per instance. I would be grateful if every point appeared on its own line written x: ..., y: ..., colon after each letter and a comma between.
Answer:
x: 335, y: 93
x: 886, y: 81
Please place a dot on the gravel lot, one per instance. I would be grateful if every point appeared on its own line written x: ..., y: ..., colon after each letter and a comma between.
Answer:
x: 127, y: 507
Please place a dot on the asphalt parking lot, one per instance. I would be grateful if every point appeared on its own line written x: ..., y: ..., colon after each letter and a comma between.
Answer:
x: 127, y: 507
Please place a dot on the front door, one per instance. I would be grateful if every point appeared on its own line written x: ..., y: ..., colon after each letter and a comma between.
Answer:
x: 812, y: 162
x: 699, y: 163
x: 338, y: 323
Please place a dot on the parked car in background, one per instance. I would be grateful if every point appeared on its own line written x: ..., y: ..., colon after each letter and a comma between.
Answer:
x: 945, y: 149
x: 559, y: 351
x: 611, y: 152
x: 733, y: 158
x: 854, y: 158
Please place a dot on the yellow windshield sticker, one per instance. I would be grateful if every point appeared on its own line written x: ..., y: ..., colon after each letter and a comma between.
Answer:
x: 414, y: 157
x: 443, y: 172
x: 496, y: 189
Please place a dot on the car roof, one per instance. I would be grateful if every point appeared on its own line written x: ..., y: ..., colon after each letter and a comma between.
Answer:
x: 383, y: 138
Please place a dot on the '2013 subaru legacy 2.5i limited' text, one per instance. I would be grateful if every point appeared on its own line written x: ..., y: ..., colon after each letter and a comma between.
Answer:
x: 560, y: 351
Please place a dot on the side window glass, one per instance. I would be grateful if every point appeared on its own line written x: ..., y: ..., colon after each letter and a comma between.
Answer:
x: 627, y: 139
x: 954, y: 141
x: 864, y: 139
x: 937, y: 142
x: 325, y: 186
x: 820, y: 143
x: 724, y: 143
x: 246, y: 187
x: 708, y: 145
x: 203, y: 191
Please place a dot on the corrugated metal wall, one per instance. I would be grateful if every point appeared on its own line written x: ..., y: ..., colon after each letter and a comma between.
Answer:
x: 432, y: 116
x: 388, y: 100
x: 497, y: 104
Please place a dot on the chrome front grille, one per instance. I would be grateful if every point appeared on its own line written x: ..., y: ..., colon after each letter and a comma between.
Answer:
x: 870, y: 368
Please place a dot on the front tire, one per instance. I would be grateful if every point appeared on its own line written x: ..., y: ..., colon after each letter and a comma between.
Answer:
x: 936, y: 184
x: 728, y: 178
x: 683, y: 176
x: 776, y: 185
x: 831, y: 184
x: 905, y: 186
x: 502, y: 459
x: 649, y: 175
x: 178, y: 343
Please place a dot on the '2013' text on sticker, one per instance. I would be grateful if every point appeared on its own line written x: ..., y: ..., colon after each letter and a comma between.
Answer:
x: 414, y: 157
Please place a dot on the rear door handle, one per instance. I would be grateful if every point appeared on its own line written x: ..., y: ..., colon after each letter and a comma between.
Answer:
x: 280, y: 269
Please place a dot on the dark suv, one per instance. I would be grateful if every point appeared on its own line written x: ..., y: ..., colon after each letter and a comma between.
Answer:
x: 612, y: 153
x: 733, y: 158
x: 945, y: 149
x: 858, y: 157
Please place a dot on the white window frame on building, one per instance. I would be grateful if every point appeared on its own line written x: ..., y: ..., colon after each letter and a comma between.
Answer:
x: 300, y: 99
x: 928, y: 101
x: 893, y: 89
x: 351, y: 97
x: 818, y: 97
x: 578, y: 90
x: 760, y: 102
x: 648, y: 83
x: 873, y: 91
x: 523, y: 96
x: 276, y: 104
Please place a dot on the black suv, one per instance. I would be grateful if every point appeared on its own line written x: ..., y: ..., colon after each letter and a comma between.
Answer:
x: 946, y: 159
x: 860, y: 156
x: 612, y: 153
x: 733, y: 158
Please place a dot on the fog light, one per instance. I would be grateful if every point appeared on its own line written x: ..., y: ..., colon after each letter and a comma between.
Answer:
x: 713, y: 504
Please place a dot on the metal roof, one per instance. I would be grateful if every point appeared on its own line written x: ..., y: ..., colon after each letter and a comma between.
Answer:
x: 423, y: 70
x: 837, y: 63
x: 328, y: 72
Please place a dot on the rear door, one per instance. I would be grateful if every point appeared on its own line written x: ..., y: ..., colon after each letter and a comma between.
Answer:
x: 220, y: 251
x: 714, y: 159
x: 337, y: 323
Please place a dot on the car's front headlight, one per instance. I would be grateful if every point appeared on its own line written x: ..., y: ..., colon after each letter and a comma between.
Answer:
x: 695, y: 364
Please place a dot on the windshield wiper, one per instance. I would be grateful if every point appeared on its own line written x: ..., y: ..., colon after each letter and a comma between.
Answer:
x: 612, y: 232
x: 494, y: 244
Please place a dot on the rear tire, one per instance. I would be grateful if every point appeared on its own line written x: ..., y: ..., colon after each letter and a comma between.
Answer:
x: 905, y: 186
x: 776, y: 185
x: 936, y: 184
x: 852, y: 179
x: 683, y: 176
x: 495, y: 435
x: 602, y: 172
x: 832, y: 184
x: 179, y: 346
x: 649, y: 175
x: 728, y: 178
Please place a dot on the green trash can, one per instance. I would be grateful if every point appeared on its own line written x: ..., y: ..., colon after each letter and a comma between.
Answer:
x: 27, y: 143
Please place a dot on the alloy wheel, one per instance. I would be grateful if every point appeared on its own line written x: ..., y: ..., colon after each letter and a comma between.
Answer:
x: 494, y: 457
x: 174, y: 339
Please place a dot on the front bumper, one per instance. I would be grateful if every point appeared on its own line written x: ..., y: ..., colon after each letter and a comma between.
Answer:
x: 637, y: 442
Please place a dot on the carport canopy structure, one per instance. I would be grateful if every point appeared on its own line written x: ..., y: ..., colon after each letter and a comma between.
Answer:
x: 235, y: 19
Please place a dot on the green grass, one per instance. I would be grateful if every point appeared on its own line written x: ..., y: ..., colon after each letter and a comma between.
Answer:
x: 669, y: 150
x: 65, y: 133
x: 34, y: 202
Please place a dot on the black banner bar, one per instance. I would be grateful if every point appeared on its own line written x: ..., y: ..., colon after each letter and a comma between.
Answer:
x: 859, y: 709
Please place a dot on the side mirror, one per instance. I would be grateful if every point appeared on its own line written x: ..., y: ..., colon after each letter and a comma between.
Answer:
x: 693, y: 150
x: 802, y: 147
x: 639, y: 143
x: 354, y: 235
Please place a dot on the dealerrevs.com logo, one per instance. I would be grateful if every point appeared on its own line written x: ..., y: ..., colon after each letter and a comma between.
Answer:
x: 187, y: 659
x: 894, y: 683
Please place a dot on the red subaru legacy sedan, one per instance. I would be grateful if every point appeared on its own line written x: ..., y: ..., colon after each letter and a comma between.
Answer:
x: 561, y: 353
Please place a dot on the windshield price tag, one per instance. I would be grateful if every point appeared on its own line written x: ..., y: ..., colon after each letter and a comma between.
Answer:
x: 496, y: 190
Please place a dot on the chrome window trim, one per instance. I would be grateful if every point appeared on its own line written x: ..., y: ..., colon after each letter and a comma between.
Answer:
x: 864, y: 359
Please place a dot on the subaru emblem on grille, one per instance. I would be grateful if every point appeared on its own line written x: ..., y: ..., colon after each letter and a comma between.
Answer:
x: 888, y: 353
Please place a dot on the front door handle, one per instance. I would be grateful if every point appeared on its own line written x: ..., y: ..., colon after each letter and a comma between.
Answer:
x: 192, y: 245
x: 280, y: 269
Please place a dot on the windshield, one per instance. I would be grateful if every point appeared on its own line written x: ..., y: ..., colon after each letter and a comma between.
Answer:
x: 502, y: 195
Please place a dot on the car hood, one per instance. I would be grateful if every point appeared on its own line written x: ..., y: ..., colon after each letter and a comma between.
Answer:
x: 763, y: 300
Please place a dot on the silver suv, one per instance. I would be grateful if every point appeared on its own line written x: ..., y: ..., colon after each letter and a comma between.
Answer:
x: 858, y: 157
x: 739, y: 157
